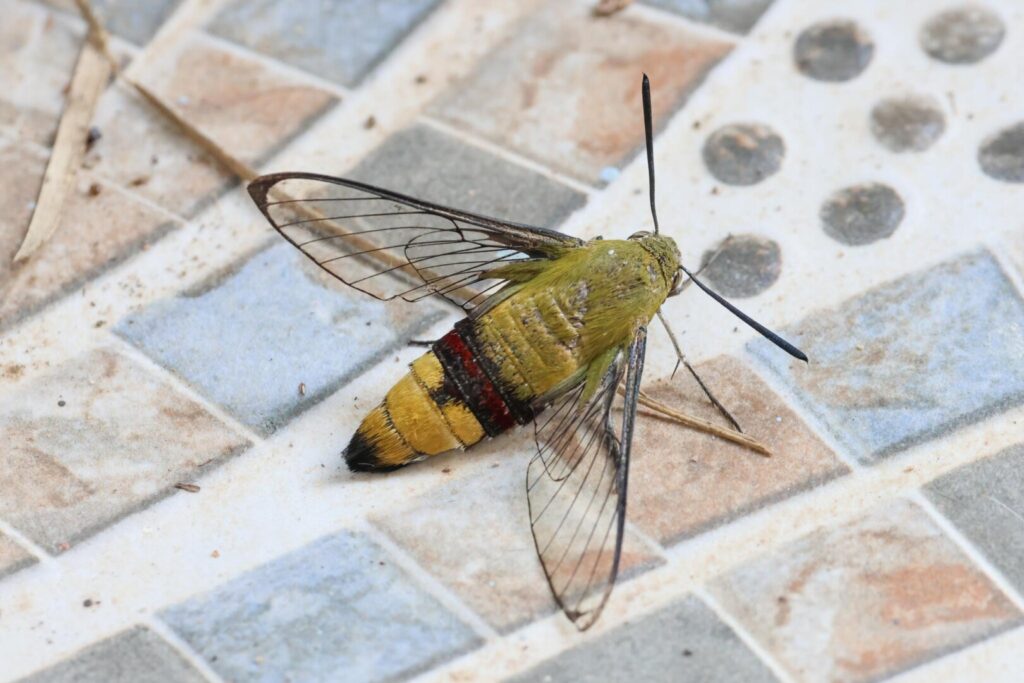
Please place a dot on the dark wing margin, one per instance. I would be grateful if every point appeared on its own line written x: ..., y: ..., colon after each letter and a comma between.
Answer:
x: 390, y: 245
x: 576, y: 487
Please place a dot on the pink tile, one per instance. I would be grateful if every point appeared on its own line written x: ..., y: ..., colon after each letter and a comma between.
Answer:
x: 866, y: 599
x: 565, y: 90
x: 683, y: 482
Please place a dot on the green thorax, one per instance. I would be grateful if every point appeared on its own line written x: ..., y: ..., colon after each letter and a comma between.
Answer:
x: 565, y: 312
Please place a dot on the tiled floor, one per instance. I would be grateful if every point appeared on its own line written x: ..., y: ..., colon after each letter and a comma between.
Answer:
x: 176, y: 384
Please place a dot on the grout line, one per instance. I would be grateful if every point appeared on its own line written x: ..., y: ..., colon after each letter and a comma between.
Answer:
x: 645, y: 538
x: 427, y: 581
x: 125, y: 348
x: 193, y: 658
x: 968, y: 548
x: 43, y: 557
x: 506, y: 154
x: 745, y: 637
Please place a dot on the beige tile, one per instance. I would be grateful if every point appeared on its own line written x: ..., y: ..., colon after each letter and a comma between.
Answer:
x: 865, y: 599
x: 565, y: 90
x: 683, y: 482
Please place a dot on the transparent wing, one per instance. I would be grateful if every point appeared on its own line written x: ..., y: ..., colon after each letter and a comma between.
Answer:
x: 389, y: 245
x: 576, y: 488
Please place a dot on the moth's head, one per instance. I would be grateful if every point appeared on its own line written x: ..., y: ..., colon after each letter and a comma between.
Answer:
x: 666, y: 252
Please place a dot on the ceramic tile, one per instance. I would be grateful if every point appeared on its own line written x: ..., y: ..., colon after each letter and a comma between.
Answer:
x: 95, y: 439
x: 683, y: 482
x: 865, y: 599
x: 563, y: 90
x: 13, y: 557
x: 372, y: 30
x: 684, y: 641
x: 336, y: 608
x: 738, y: 16
x: 249, y: 338
x: 136, y: 655
x: 883, y: 362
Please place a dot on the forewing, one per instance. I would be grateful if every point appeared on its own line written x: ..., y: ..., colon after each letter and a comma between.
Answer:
x: 389, y: 245
x: 576, y: 487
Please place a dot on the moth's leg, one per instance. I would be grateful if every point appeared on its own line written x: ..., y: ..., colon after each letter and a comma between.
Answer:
x: 681, y: 360
x: 703, y: 425
x: 420, y: 342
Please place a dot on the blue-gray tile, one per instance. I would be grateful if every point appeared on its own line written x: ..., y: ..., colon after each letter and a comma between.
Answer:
x: 985, y: 500
x: 682, y: 642
x: 341, y: 40
x: 337, y: 609
x: 432, y: 165
x: 94, y: 439
x: 909, y: 360
x: 134, y: 656
x: 136, y: 20
x: 248, y: 339
x: 738, y: 16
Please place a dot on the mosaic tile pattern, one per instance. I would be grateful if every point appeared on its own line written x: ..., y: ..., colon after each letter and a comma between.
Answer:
x: 338, y: 607
x: 825, y: 142
x: 136, y: 655
x: 683, y: 482
x: 517, y: 97
x: 985, y: 500
x: 866, y: 599
x: 684, y: 641
x: 884, y: 361
x: 312, y: 42
x: 250, y: 337
x: 71, y: 467
x: 485, y: 518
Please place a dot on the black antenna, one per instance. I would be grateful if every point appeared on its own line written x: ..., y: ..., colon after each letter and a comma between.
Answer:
x: 769, y: 335
x: 649, y: 135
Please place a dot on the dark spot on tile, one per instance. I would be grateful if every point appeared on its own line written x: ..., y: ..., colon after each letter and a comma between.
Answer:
x: 836, y: 50
x: 862, y: 214
x: 745, y: 266
x: 743, y: 153
x: 1002, y: 155
x: 963, y: 35
x: 907, y: 124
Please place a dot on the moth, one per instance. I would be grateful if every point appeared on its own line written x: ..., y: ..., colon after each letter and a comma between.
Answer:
x: 555, y: 329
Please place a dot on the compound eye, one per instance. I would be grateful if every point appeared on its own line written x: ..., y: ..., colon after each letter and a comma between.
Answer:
x: 677, y: 283
x: 639, y: 234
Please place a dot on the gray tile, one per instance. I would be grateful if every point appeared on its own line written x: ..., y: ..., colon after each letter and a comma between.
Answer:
x: 432, y: 165
x: 134, y: 656
x: 985, y: 500
x: 95, y: 439
x: 909, y: 360
x: 682, y: 642
x: 136, y: 20
x: 738, y: 16
x: 248, y: 339
x: 341, y: 40
x: 337, y: 609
